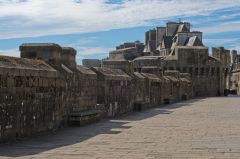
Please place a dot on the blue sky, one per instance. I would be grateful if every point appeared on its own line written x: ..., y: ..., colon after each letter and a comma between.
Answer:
x: 94, y: 27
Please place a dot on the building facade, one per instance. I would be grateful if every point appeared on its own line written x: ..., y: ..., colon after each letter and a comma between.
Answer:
x: 46, y: 89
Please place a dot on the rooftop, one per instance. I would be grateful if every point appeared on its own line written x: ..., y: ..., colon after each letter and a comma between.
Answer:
x: 69, y: 50
x: 23, y: 63
x: 115, y: 74
x: 85, y: 70
x: 40, y: 44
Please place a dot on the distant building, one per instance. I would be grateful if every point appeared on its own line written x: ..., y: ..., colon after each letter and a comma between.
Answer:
x: 91, y: 62
x: 46, y: 89
x: 176, y: 47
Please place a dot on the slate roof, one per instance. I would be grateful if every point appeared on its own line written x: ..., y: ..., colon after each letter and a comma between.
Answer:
x: 168, y: 40
x: 194, y: 41
x: 151, y: 46
x: 183, y: 28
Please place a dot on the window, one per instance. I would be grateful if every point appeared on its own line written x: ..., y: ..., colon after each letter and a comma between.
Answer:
x: 202, y: 71
x: 218, y: 71
x: 207, y: 72
x: 212, y: 71
x: 184, y: 70
x: 196, y: 71
x: 191, y: 70
x: 31, y: 54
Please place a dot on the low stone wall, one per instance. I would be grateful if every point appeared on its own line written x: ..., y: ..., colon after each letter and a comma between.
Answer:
x: 30, y: 102
x: 42, y: 95
x: 33, y: 101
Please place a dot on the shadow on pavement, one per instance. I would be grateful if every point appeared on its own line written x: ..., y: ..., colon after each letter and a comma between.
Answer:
x: 69, y: 136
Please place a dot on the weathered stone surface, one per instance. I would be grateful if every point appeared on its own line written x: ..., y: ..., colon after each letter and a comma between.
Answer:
x: 91, y: 62
x: 46, y: 89
x: 199, y: 128
x: 176, y: 47
x: 114, y: 91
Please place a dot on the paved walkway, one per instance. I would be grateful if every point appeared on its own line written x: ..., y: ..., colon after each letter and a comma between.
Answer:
x: 200, y: 128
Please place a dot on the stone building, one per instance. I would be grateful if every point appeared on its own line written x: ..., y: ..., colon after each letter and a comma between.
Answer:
x: 153, y: 89
x: 87, y: 84
x: 114, y: 91
x: 41, y: 90
x: 141, y: 93
x: 226, y: 59
x: 48, y: 52
x: 223, y: 55
x: 64, y: 61
x: 127, y: 51
x: 122, y: 64
x: 91, y: 63
x: 206, y: 71
x: 235, y: 79
x: 46, y: 89
x: 142, y: 63
x: 31, y: 100
x: 234, y: 74
x: 176, y: 47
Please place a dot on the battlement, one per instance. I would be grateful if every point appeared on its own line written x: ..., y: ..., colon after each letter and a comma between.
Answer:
x: 68, y: 57
x: 223, y: 55
x: 47, y: 89
x: 49, y: 52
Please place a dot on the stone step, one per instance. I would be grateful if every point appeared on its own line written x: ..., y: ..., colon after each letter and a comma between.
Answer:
x: 84, y: 117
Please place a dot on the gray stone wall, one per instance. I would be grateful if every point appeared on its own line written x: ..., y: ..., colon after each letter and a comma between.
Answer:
x: 234, y: 82
x: 49, y: 52
x: 46, y: 93
x: 114, y: 91
x: 91, y: 62
x: 30, y: 102
x: 206, y: 72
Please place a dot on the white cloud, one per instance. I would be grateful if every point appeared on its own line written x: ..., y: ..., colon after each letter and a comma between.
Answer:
x: 29, y: 18
x: 86, y: 40
x: 10, y: 52
x: 236, y: 48
x: 223, y: 41
x: 222, y: 27
x: 83, y: 51
x: 229, y: 43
